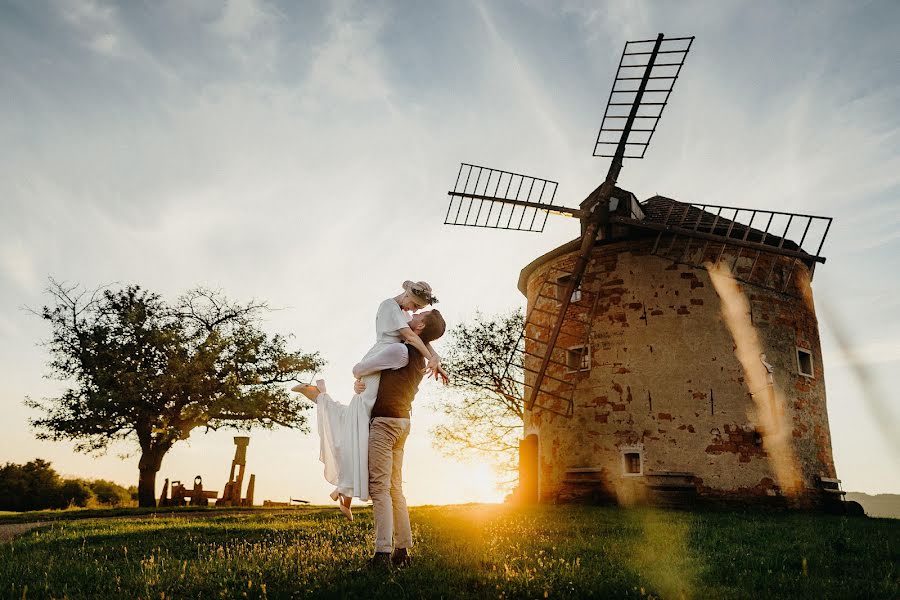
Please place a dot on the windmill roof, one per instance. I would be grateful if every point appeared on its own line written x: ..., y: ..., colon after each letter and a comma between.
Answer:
x: 660, y: 209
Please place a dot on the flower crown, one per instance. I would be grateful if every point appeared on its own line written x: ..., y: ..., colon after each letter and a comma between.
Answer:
x: 424, y: 295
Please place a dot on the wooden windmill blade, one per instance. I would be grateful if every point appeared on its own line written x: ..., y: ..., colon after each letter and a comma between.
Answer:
x: 561, y: 313
x: 755, y: 246
x: 639, y: 63
x: 648, y: 68
x: 570, y: 356
x: 497, y: 199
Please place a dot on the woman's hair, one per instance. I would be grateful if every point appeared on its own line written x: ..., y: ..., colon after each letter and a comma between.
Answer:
x: 434, y: 326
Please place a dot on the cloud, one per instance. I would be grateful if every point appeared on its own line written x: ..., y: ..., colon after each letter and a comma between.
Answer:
x: 524, y: 83
x: 243, y: 18
x: 869, y: 353
x: 347, y: 67
x: 96, y: 22
x: 17, y: 264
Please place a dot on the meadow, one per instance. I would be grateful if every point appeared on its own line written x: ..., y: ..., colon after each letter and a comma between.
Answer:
x: 465, y: 551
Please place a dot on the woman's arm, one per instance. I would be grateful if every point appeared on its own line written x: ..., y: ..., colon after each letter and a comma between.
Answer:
x: 413, y: 339
x: 433, y: 366
x: 438, y: 372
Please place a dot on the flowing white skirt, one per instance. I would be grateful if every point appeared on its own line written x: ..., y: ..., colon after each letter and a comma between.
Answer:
x: 344, y: 437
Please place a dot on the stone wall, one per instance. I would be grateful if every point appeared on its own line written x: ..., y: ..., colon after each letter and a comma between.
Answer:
x: 665, y: 381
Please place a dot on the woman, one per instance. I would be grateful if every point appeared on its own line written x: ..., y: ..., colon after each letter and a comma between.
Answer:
x: 344, y: 429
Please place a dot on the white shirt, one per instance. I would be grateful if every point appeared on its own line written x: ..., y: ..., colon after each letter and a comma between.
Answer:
x: 393, y: 356
x: 389, y: 320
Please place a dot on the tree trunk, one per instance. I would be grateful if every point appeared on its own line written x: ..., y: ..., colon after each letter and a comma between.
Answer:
x: 148, y: 466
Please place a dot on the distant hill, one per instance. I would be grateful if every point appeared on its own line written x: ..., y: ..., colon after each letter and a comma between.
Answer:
x: 879, y: 505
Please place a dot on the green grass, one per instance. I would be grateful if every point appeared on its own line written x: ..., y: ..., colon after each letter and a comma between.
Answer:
x: 470, y: 551
x: 70, y: 514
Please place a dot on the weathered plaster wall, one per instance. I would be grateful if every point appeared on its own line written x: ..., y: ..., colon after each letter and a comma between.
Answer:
x: 664, y: 377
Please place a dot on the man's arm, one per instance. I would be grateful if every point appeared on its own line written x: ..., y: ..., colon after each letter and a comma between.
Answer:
x: 393, y: 356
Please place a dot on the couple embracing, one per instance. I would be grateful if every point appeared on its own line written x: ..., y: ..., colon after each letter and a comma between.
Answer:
x: 361, y: 444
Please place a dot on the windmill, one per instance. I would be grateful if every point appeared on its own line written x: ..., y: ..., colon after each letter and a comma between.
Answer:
x: 693, y: 234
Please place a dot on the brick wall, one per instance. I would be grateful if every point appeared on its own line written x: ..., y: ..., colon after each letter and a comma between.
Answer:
x: 664, y: 379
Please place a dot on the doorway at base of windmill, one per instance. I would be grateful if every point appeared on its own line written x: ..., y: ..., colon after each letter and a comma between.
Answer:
x: 528, y: 469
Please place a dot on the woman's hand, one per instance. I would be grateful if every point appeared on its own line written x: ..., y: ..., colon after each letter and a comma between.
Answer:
x: 359, y: 386
x: 433, y: 366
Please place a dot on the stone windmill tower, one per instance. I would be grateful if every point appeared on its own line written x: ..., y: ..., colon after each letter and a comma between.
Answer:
x: 671, y: 352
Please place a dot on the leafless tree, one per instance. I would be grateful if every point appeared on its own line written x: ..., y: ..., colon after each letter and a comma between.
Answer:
x: 483, y: 412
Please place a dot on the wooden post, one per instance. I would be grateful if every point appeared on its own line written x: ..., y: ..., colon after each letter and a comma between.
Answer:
x: 164, y: 497
x: 248, y: 501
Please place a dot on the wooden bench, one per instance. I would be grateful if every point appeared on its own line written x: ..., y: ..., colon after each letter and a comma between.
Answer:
x: 830, y: 487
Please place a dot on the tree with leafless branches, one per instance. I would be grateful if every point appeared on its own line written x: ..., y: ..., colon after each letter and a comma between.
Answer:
x: 483, y: 415
x: 138, y: 368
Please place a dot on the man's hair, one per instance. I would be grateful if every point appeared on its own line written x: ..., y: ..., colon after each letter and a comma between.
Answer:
x: 434, y: 326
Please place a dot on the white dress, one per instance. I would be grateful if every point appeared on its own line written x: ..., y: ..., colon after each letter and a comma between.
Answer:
x: 344, y: 429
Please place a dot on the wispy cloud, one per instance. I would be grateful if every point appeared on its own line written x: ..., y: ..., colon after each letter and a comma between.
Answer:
x: 17, y: 264
x: 96, y: 22
x: 523, y: 82
x: 347, y: 66
x: 243, y: 18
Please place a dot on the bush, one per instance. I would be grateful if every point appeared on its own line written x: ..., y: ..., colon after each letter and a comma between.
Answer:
x: 31, y: 486
x: 109, y: 493
x: 73, y: 492
x: 37, y: 486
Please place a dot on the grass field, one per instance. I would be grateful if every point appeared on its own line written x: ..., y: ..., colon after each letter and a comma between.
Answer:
x: 469, y: 551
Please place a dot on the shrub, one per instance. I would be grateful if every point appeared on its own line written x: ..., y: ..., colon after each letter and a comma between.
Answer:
x: 37, y: 486
x: 31, y: 486
x: 110, y: 493
x: 73, y: 492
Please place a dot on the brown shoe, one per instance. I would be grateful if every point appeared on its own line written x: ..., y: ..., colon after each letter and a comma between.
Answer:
x: 381, y: 561
x: 401, y: 558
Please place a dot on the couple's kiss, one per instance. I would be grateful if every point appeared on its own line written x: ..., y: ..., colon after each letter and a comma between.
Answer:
x: 361, y: 444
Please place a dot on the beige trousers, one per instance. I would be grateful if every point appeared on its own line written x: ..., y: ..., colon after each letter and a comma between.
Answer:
x: 387, y: 437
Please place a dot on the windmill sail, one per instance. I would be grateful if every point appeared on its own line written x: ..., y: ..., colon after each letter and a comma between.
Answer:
x: 496, y: 199
x: 641, y: 68
x: 756, y: 246
x: 569, y: 357
x: 544, y: 366
x: 659, y: 71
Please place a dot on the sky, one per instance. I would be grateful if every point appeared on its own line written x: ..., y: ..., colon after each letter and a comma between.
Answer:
x: 300, y: 154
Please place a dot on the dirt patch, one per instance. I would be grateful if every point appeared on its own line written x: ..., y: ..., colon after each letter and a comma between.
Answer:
x: 11, y: 530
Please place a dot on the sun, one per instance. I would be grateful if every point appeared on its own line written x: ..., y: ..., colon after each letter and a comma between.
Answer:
x: 483, y: 484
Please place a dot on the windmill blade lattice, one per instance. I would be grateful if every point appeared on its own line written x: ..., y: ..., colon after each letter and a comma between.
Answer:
x: 662, y: 66
x: 496, y: 199
x: 570, y: 353
x: 550, y: 352
x: 755, y: 246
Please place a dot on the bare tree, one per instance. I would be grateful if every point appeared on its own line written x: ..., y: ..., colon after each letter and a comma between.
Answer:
x: 484, y: 414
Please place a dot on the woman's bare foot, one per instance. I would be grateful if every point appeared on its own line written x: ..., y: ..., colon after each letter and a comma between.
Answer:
x: 310, y: 391
x: 344, y: 506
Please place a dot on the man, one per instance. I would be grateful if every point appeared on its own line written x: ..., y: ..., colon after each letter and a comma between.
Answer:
x: 402, y: 368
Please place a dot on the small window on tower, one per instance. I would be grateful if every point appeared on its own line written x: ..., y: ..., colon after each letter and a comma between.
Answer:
x: 578, y: 358
x: 804, y: 362
x: 632, y: 463
x: 561, y: 285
